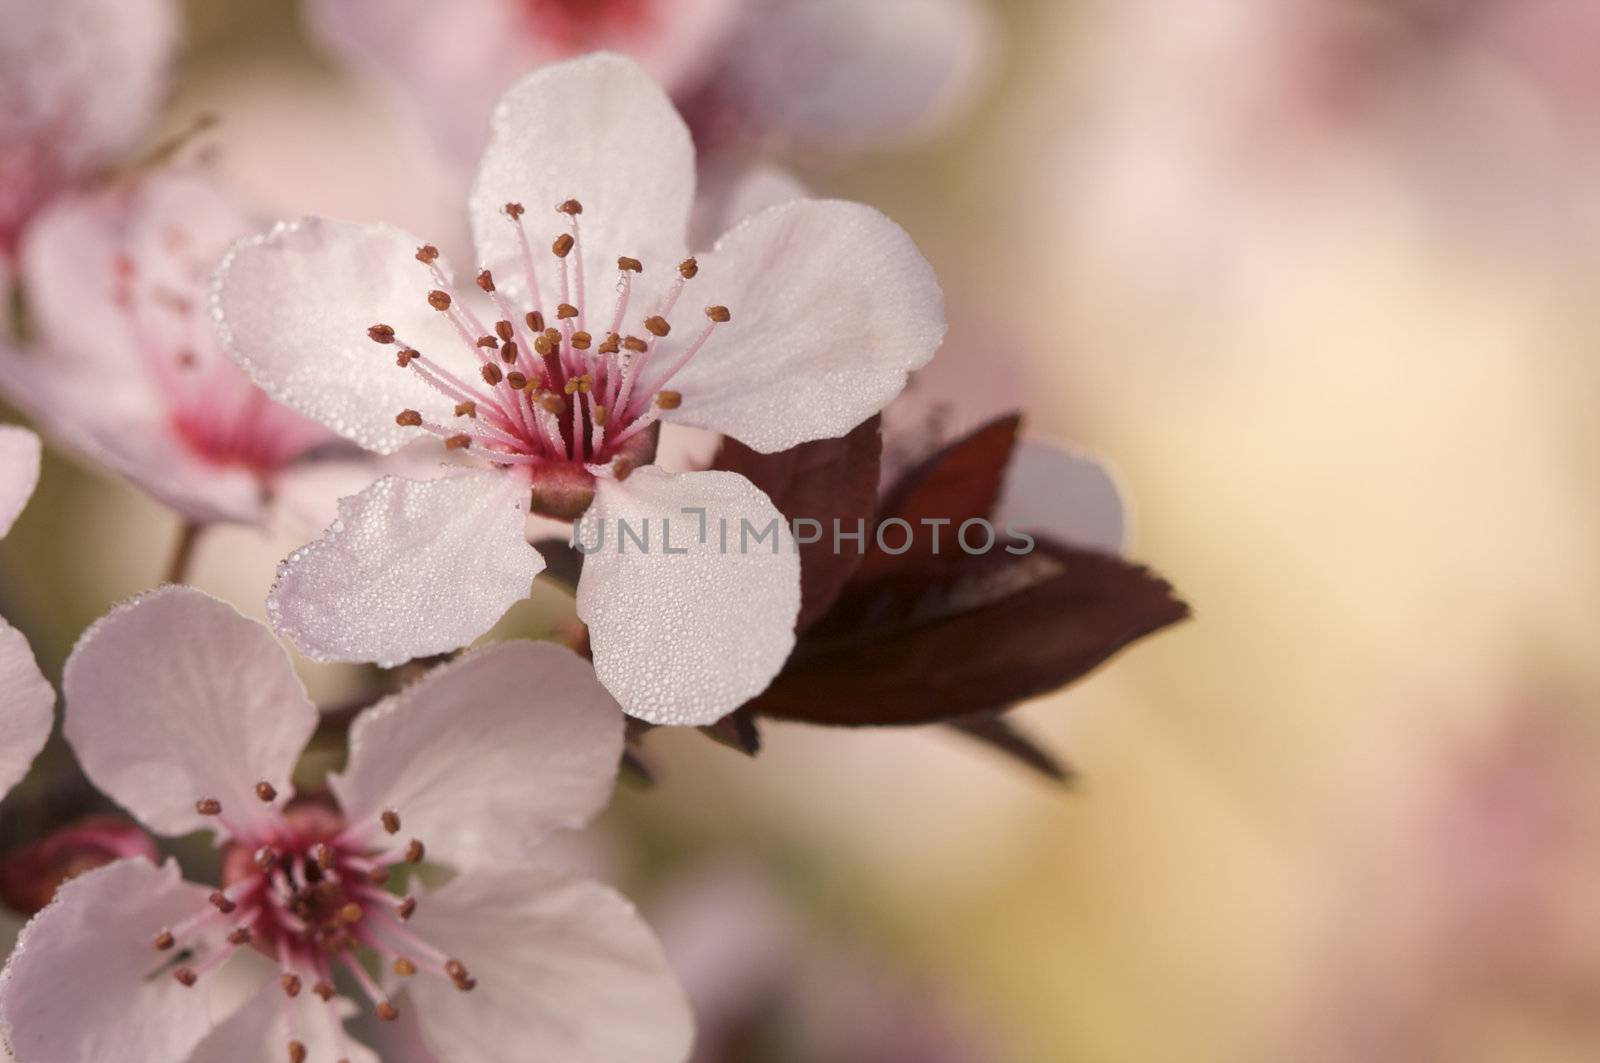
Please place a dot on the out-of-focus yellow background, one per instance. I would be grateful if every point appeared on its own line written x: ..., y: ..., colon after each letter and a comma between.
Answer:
x: 1318, y: 279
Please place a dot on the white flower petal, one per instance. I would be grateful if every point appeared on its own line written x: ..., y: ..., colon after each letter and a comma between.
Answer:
x: 26, y: 704
x: 841, y: 73
x: 84, y: 982
x: 687, y: 636
x: 600, y: 131
x: 486, y: 756
x: 832, y: 305
x: 731, y: 191
x: 410, y: 569
x: 1069, y: 496
x: 19, y: 473
x: 566, y: 970
x: 259, y: 1029
x: 293, y: 306
x: 82, y: 81
x: 174, y: 697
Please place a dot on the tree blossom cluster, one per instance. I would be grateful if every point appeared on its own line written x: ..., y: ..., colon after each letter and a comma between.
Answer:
x: 452, y: 429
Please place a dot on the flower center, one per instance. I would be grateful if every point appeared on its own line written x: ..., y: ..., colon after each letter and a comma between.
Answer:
x: 564, y: 389
x: 572, y: 24
x: 309, y: 892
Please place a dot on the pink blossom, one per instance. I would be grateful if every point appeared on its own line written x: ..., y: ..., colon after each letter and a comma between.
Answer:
x: 26, y: 699
x: 191, y: 717
x: 116, y: 283
x: 550, y: 375
x: 80, y: 83
x: 31, y: 874
x: 801, y: 74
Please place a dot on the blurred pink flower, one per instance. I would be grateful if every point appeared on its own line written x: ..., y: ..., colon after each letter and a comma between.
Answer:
x: 749, y: 74
x: 190, y: 716
x: 26, y: 700
x: 80, y: 84
x: 116, y: 283
x: 31, y: 874
x: 831, y: 307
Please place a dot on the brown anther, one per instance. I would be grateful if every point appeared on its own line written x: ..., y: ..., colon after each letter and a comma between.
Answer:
x: 489, y: 343
x: 291, y: 984
x: 439, y: 300
x: 404, y: 967
x: 623, y: 468
x: 324, y: 990
x: 719, y: 314
x: 600, y: 415
x: 635, y: 344
x: 657, y: 326
x: 208, y: 806
x: 514, y: 210
x: 323, y: 854
x: 390, y: 820
x: 164, y: 941
x: 221, y: 903
x: 380, y: 334
x: 427, y: 254
x: 486, y: 281
x: 571, y: 386
x: 414, y: 852
x: 492, y: 374
x: 297, y: 1052
x: 611, y: 344
x: 266, y: 791
x: 553, y: 404
x: 581, y: 341
x: 456, y: 970
x: 504, y: 329
x: 406, y: 356
x: 266, y: 856
x: 509, y: 353
x: 185, y: 976
x: 535, y: 321
x: 563, y: 245
x: 630, y: 265
x: 571, y: 206
x: 516, y: 381
x: 239, y: 935
x: 378, y: 876
x: 351, y: 913
x: 542, y: 345
x: 566, y: 312
x: 669, y: 400
x: 408, y: 419
x: 407, y: 908
x: 688, y: 268
x: 458, y: 442
x: 467, y: 409
x: 386, y: 1011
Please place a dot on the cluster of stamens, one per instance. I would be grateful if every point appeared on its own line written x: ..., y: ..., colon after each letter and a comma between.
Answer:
x: 555, y: 389
x: 310, y: 893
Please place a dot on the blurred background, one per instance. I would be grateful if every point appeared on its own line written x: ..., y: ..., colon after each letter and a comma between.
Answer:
x: 1316, y: 278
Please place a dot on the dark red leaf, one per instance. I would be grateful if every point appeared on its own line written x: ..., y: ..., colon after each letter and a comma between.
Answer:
x: 738, y: 731
x: 961, y: 482
x: 824, y: 481
x: 1002, y: 628
x: 998, y: 733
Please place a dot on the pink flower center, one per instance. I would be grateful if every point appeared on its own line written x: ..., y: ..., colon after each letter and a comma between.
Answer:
x: 566, y: 386
x: 572, y: 25
x: 309, y: 892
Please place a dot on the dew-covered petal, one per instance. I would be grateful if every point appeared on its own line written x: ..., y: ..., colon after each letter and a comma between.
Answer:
x: 85, y: 983
x: 26, y: 701
x: 260, y: 1029
x: 844, y: 74
x: 486, y: 756
x: 1067, y: 495
x: 410, y: 569
x: 19, y: 473
x: 82, y: 81
x: 692, y: 626
x: 600, y: 131
x: 566, y: 970
x: 175, y: 697
x: 832, y: 306
x: 293, y: 307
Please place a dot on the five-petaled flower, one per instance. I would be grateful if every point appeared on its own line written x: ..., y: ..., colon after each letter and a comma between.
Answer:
x: 191, y: 717
x: 584, y: 328
x: 123, y: 369
x: 748, y: 74
x: 25, y: 697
